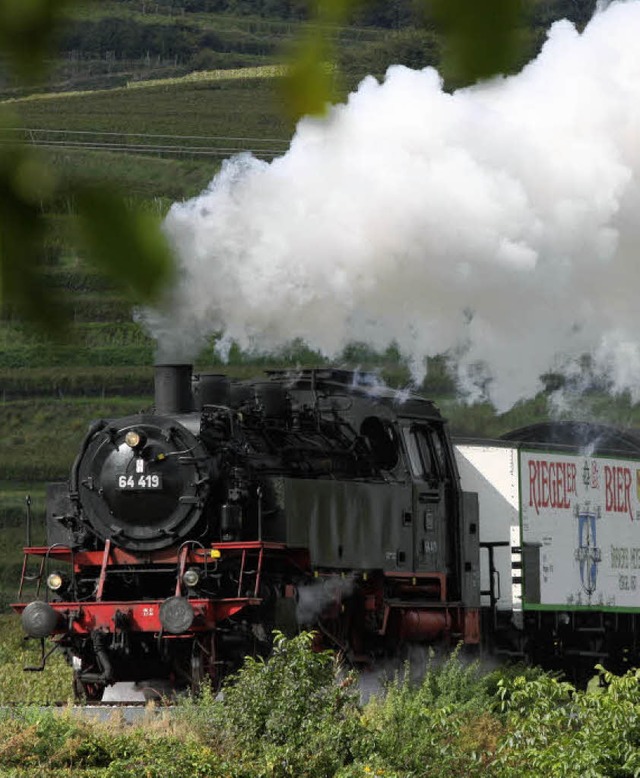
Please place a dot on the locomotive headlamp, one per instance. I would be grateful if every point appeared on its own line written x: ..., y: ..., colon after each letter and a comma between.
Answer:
x: 55, y: 581
x: 191, y: 577
x: 135, y: 439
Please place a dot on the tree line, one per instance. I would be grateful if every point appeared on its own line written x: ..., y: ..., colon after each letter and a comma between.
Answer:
x: 389, y: 14
x: 416, y: 42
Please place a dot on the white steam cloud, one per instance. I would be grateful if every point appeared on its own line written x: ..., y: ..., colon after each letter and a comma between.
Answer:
x: 499, y: 224
x: 314, y: 598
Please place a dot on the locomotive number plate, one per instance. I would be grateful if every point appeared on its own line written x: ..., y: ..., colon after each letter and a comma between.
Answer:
x: 140, y: 482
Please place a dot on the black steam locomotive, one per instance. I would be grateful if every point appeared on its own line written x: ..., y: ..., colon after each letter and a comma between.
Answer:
x: 186, y: 536
x: 314, y: 498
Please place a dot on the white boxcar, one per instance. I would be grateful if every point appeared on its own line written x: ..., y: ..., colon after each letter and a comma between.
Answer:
x: 572, y: 521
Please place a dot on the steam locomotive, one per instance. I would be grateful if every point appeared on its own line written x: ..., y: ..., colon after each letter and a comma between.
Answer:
x: 323, y: 498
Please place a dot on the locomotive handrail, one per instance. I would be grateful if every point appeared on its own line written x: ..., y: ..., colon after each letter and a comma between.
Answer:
x: 96, y: 427
x: 182, y: 560
x: 494, y: 592
x: 24, y: 577
x: 46, y: 552
x: 103, y: 569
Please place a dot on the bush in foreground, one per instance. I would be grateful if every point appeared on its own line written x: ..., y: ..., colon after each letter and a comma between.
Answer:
x: 293, y: 715
x: 298, y: 714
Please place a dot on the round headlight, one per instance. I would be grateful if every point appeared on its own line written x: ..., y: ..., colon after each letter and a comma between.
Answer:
x: 191, y: 577
x: 133, y: 439
x: 55, y: 581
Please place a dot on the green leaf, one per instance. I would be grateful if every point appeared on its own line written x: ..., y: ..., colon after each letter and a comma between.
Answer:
x: 123, y: 241
x: 482, y: 38
x: 27, y: 33
x: 307, y: 88
x: 26, y: 186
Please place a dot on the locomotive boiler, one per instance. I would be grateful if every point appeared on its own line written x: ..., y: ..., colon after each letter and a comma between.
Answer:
x: 186, y: 535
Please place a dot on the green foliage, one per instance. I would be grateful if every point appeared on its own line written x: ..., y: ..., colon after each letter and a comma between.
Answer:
x: 98, y: 381
x: 557, y: 731
x: 291, y: 713
x: 294, y: 715
x: 41, y: 438
x: 27, y: 30
x: 439, y: 725
x: 482, y: 38
x: 44, y: 742
x: 307, y: 88
x: 25, y: 182
x: 125, y: 243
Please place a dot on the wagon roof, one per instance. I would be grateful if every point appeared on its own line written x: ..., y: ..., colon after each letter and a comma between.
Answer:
x: 582, y: 435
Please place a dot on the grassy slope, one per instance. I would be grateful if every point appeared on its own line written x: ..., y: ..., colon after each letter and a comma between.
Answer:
x: 220, y: 106
x: 218, y: 110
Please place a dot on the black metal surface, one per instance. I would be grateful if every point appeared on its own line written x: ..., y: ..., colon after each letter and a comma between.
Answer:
x: 143, y: 518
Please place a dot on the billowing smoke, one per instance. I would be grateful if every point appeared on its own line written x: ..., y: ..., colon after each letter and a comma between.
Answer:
x: 499, y: 224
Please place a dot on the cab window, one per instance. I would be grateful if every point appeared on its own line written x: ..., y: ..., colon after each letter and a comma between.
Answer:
x: 382, y: 441
x: 426, y: 452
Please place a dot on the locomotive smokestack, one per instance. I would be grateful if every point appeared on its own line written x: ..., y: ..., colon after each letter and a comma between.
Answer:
x: 173, y: 389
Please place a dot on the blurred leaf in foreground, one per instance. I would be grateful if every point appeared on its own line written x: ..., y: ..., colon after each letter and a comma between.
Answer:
x: 126, y: 244
x: 482, y: 38
x: 27, y: 33
x: 308, y: 87
x: 124, y: 241
x: 26, y: 186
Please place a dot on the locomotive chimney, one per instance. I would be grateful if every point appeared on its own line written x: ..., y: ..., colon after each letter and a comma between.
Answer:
x: 173, y: 389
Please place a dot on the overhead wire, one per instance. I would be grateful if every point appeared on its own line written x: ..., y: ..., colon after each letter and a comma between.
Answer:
x: 71, y: 140
x: 142, y: 134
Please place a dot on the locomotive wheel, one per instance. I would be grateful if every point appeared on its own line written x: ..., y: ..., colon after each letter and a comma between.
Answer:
x: 85, y: 691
